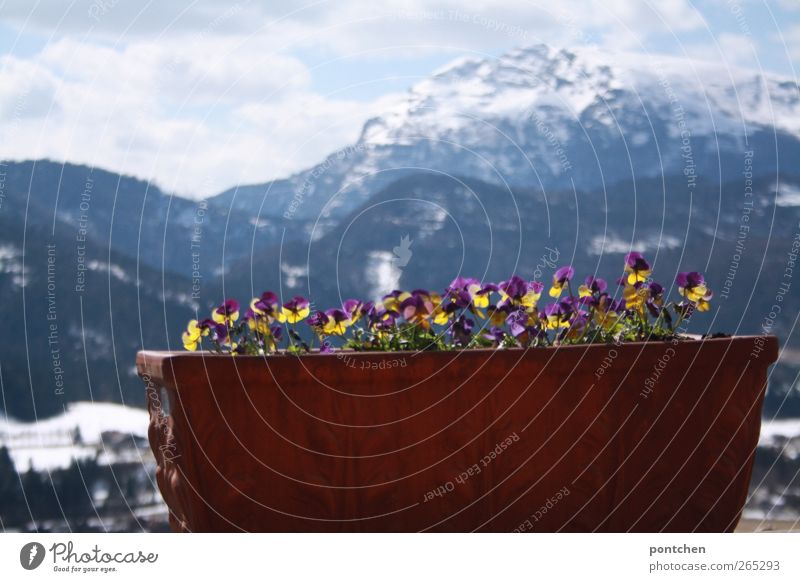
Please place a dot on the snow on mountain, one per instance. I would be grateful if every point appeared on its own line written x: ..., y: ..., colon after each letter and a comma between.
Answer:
x: 779, y: 429
x: 549, y: 117
x: 78, y: 433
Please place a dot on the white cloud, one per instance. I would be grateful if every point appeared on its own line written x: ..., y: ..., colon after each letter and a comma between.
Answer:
x: 789, y: 4
x: 31, y: 94
x: 792, y: 39
x: 349, y: 25
x: 198, y: 116
x: 739, y: 50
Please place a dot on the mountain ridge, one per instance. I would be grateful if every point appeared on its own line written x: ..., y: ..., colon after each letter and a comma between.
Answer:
x: 550, y: 118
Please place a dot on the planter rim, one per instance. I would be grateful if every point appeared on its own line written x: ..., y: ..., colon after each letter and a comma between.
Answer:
x: 686, y: 340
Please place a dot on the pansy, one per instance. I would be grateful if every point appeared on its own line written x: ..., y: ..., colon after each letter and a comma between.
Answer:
x: 478, y: 295
x: 294, y: 310
x: 692, y: 286
x: 378, y: 314
x: 272, y: 340
x: 577, y: 326
x: 557, y: 315
x: 516, y: 292
x: 228, y: 312
x: 481, y: 298
x: 356, y: 309
x: 561, y: 279
x: 637, y: 268
x: 266, y: 305
x: 317, y: 321
x: 461, y: 330
x: 495, y: 335
x: 655, y: 298
x: 704, y: 303
x: 221, y: 333
x: 519, y: 322
x: 636, y: 295
x: 455, y: 301
x: 193, y: 335
x: 381, y: 321
x: 267, y: 337
x: 392, y: 301
x: 607, y: 311
x: 497, y: 315
x: 337, y: 322
x: 592, y: 286
x: 257, y: 322
x: 419, y: 306
x: 464, y: 294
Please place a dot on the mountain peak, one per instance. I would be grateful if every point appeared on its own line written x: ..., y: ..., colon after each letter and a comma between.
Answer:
x: 556, y: 117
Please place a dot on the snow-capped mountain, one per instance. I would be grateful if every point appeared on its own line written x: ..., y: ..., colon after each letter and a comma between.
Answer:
x: 548, y: 118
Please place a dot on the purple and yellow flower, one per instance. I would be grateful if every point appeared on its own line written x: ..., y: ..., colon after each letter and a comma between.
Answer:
x: 392, y: 301
x: 557, y: 315
x: 266, y: 305
x: 228, y: 312
x: 221, y: 333
x: 272, y: 340
x: 635, y: 296
x: 496, y: 335
x: 464, y: 294
x: 577, y: 326
x: 497, y: 315
x: 337, y: 322
x: 561, y: 279
x: 517, y: 292
x: 693, y: 286
x: 518, y: 322
x: 317, y: 322
x: 257, y: 322
x: 655, y: 299
x: 478, y: 294
x: 294, y: 310
x: 637, y: 268
x: 607, y: 311
x: 592, y: 286
x: 381, y: 320
x: 356, y: 309
x: 193, y: 336
x: 461, y: 330
x: 419, y: 306
x: 591, y: 315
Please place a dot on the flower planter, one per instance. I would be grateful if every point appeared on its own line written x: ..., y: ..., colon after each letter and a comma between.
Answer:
x: 634, y: 437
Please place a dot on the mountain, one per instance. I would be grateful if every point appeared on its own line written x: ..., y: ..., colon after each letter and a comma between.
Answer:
x: 548, y: 118
x: 134, y: 217
x: 425, y: 229
x: 75, y: 309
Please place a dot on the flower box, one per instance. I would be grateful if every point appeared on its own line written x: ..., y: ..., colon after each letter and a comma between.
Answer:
x: 655, y: 436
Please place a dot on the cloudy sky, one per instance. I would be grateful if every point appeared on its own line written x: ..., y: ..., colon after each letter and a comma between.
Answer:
x: 199, y: 96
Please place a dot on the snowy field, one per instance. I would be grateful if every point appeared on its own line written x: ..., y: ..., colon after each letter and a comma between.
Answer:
x: 53, y: 443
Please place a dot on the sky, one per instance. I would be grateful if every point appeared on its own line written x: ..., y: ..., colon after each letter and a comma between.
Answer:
x: 199, y: 96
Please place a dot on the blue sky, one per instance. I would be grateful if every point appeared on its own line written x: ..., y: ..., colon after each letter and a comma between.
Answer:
x: 201, y: 95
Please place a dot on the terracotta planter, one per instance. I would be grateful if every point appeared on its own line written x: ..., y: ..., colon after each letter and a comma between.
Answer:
x: 638, y: 437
